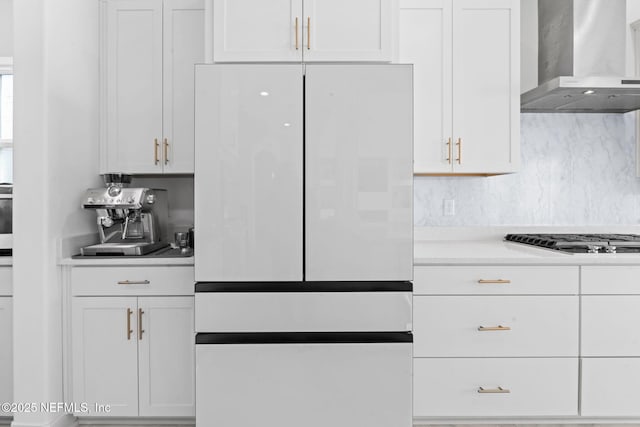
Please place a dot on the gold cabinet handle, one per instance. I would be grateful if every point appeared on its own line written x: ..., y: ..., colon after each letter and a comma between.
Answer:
x: 449, y: 151
x: 140, y: 330
x: 494, y: 281
x: 133, y: 282
x: 296, y: 33
x: 493, y: 328
x: 459, y: 144
x: 493, y: 390
x: 166, y: 151
x: 308, y: 32
x: 129, y: 330
x: 155, y: 151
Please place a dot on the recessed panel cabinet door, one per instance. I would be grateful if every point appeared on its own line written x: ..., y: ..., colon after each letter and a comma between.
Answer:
x: 486, y: 89
x: 424, y: 33
x: 354, y: 30
x: 6, y: 351
x: 358, y: 174
x: 257, y: 30
x: 166, y: 356
x: 134, y: 86
x: 248, y: 180
x: 183, y: 46
x: 105, y: 354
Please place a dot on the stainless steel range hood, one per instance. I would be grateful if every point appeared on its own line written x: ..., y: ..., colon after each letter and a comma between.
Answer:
x: 581, y: 59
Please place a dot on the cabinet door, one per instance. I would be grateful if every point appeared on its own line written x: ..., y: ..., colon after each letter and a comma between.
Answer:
x: 610, y: 387
x: 257, y: 30
x: 167, y: 356
x: 133, y: 73
x: 486, y: 90
x: 609, y: 325
x: 183, y: 46
x: 105, y: 354
x: 248, y: 180
x: 358, y: 173
x: 354, y: 30
x: 424, y: 40
x: 6, y: 351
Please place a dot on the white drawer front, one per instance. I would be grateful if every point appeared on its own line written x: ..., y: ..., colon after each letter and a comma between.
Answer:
x: 610, y: 280
x: 610, y: 387
x: 610, y: 325
x: 538, y: 387
x: 495, y: 280
x: 161, y: 280
x: 6, y: 281
x: 496, y: 326
x: 302, y: 311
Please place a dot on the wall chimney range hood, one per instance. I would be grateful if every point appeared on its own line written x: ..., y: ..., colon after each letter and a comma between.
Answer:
x: 581, y: 59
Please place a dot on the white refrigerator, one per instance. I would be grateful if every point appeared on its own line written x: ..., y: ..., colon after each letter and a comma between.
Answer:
x: 304, y: 249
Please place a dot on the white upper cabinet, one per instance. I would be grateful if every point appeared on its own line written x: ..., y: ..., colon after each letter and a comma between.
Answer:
x: 257, y: 30
x: 297, y: 30
x: 466, y: 84
x: 149, y: 49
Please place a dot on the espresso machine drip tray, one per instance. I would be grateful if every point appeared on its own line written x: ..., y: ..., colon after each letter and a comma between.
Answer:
x: 122, y: 249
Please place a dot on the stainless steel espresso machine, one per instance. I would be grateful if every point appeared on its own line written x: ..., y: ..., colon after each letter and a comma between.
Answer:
x: 131, y: 221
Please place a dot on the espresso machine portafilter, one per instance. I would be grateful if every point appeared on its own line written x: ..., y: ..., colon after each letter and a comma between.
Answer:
x: 130, y: 221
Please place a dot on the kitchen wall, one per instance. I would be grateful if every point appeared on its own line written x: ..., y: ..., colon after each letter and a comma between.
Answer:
x: 577, y: 169
x: 6, y: 28
x: 180, y: 194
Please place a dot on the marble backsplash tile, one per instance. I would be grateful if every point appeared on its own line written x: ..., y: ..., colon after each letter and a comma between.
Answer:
x: 577, y: 169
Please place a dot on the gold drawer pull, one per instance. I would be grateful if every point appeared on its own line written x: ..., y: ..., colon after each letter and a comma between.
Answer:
x: 129, y: 330
x: 166, y: 151
x: 155, y: 151
x: 494, y: 281
x: 140, y: 330
x: 493, y: 390
x: 493, y: 328
x: 449, y: 151
x: 133, y: 282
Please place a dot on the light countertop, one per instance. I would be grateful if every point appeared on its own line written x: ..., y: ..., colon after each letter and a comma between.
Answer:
x: 486, y: 246
x: 150, y: 260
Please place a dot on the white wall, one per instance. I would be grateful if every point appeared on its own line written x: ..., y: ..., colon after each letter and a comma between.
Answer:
x: 6, y: 28
x: 55, y: 159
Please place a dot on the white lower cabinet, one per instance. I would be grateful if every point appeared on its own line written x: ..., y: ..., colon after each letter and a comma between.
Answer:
x: 495, y: 326
x: 610, y: 387
x: 495, y: 387
x: 135, y: 354
x: 6, y: 351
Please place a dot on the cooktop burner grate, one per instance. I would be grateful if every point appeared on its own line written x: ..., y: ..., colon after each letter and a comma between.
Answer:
x: 581, y: 243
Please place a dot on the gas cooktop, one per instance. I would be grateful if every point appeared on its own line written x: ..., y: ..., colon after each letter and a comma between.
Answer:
x: 581, y: 243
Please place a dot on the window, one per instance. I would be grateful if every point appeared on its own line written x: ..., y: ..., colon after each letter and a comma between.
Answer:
x: 6, y: 126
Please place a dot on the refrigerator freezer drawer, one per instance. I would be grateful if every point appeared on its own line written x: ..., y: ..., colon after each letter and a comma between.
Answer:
x: 312, y: 384
x: 302, y: 311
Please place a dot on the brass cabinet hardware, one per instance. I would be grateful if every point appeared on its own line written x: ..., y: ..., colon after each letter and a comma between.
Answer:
x: 133, y: 282
x: 493, y: 390
x: 166, y: 151
x: 129, y: 330
x: 494, y: 281
x: 140, y: 330
x: 155, y: 151
x: 308, y: 32
x: 459, y: 144
x: 449, y: 151
x: 493, y: 328
x: 296, y: 33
